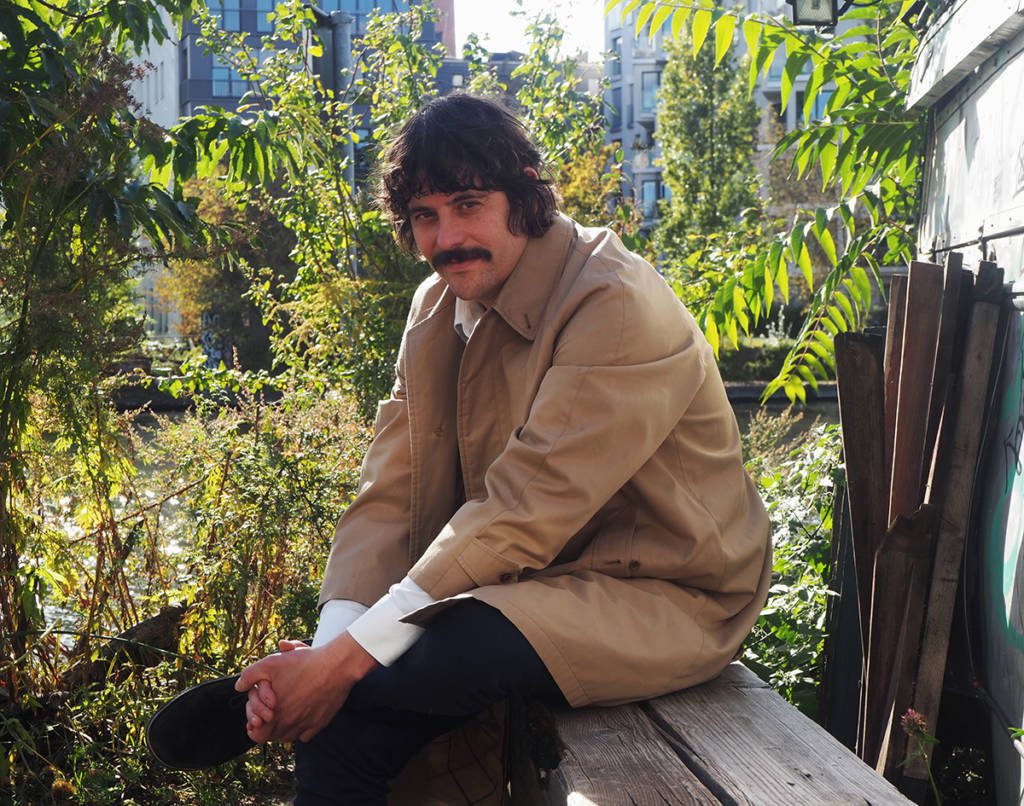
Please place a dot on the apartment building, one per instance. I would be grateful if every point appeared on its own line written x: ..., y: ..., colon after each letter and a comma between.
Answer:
x: 633, y: 69
x: 181, y: 77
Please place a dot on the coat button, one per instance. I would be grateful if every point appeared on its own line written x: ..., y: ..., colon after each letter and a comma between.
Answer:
x: 506, y: 578
x: 634, y: 564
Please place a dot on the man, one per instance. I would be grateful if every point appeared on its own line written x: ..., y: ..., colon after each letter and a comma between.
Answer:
x: 554, y: 503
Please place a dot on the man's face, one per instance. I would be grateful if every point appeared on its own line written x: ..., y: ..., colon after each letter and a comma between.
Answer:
x: 465, y: 237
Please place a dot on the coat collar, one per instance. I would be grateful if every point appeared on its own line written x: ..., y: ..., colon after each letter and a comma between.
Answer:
x: 526, y: 292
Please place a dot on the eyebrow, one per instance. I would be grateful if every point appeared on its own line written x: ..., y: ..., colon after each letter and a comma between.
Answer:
x: 461, y: 195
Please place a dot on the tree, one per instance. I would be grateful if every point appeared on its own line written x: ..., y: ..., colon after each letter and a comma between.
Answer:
x: 210, y: 289
x: 868, y: 148
x: 706, y: 126
x: 72, y: 201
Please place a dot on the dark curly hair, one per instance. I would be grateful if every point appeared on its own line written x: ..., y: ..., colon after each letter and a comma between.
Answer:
x: 464, y: 141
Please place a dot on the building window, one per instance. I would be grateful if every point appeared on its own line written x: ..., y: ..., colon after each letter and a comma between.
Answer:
x: 264, y: 7
x: 227, y: 83
x: 615, y: 112
x: 615, y: 62
x: 227, y: 14
x: 649, y: 82
x: 457, y: 80
x: 650, y: 191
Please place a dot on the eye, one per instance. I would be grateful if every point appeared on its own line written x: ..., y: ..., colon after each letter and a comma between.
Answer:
x: 420, y: 216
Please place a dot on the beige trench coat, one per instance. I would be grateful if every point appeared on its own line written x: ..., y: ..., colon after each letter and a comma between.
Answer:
x: 606, y: 511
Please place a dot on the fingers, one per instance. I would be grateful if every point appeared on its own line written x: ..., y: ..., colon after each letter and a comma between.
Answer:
x: 261, y: 734
x: 257, y: 728
x: 308, y: 734
x: 258, y: 705
x: 265, y: 691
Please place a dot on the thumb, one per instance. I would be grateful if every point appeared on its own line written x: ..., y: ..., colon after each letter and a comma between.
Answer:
x: 250, y: 676
x: 286, y: 645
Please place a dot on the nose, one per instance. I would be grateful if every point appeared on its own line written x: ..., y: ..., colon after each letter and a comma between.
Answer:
x: 450, y: 233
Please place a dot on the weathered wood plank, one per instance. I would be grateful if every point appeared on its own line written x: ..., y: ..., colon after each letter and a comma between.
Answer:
x: 949, y: 320
x: 917, y: 366
x: 891, y: 368
x: 902, y: 569
x: 751, y: 747
x: 617, y: 755
x: 860, y: 380
x: 954, y: 498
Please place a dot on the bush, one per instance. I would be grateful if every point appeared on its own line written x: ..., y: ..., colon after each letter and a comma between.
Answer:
x: 795, y: 473
x: 228, y: 510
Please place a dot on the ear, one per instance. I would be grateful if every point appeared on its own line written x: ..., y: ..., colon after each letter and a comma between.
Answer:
x: 531, y: 172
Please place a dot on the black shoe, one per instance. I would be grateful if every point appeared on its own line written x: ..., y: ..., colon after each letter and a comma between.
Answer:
x: 201, y: 727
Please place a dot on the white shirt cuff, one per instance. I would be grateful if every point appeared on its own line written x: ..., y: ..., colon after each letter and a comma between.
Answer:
x: 381, y: 632
x: 336, y: 616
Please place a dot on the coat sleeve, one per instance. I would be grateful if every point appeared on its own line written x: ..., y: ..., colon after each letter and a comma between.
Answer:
x: 370, y: 551
x: 626, y: 364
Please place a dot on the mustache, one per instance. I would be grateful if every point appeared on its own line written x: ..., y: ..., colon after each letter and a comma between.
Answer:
x: 446, y: 256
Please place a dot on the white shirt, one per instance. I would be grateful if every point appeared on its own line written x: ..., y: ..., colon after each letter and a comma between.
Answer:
x: 379, y: 629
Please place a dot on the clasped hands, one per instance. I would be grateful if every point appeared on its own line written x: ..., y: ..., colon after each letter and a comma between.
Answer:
x: 294, y: 694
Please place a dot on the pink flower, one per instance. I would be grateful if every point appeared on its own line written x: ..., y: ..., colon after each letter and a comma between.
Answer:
x: 914, y: 723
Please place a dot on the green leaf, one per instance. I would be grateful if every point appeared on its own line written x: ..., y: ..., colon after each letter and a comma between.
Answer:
x: 645, y: 14
x: 752, y: 35
x: 806, y: 375
x: 711, y: 333
x: 804, y: 261
x: 844, y: 304
x: 794, y: 65
x: 679, y: 18
x: 835, y: 315
x: 769, y: 286
x: 702, y: 19
x: 827, y: 159
x: 824, y: 236
x: 724, y: 30
x: 823, y: 355
x: 863, y: 284
x: 739, y: 302
x: 782, y: 280
x: 658, y: 22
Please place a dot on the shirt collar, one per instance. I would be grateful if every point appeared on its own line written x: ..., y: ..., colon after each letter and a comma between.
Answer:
x: 467, y: 314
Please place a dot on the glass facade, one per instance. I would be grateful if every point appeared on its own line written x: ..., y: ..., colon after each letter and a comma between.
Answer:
x: 228, y: 14
x: 226, y: 82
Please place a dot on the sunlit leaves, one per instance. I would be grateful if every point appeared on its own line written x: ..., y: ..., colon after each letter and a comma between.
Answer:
x: 856, y: 131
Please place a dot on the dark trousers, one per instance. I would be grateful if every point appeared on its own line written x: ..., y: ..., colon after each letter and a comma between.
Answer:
x: 470, y: 657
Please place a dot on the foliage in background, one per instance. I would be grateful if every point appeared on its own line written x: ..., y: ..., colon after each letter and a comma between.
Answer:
x: 794, y: 472
x: 567, y: 123
x: 226, y: 511
x: 72, y: 202
x: 868, y: 146
x: 210, y: 292
x: 706, y: 127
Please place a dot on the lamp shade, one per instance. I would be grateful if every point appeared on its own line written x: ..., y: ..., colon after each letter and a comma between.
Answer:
x: 814, y: 12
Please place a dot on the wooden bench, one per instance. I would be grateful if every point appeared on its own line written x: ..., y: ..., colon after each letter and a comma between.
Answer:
x: 732, y: 740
